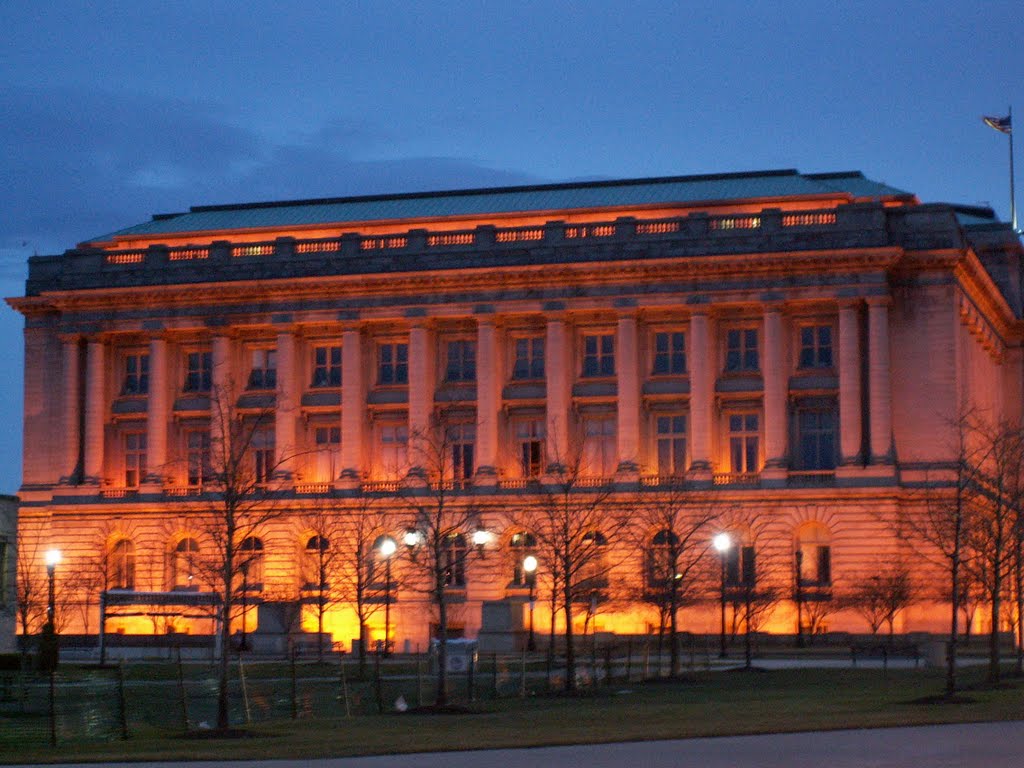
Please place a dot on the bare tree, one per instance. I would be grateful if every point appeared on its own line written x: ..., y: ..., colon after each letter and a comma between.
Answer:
x: 579, y: 535
x: 672, y: 529
x: 880, y: 597
x: 30, y: 582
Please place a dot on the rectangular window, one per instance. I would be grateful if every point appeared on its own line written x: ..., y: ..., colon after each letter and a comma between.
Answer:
x: 741, y: 350
x: 327, y: 436
x: 198, y: 371
x: 394, y: 455
x: 529, y: 363
x: 599, y: 449
x: 263, y: 455
x: 197, y: 452
x: 816, y: 439
x: 671, y: 437
x: 529, y: 436
x: 744, y: 443
x: 740, y: 567
x: 669, y: 353
x: 393, y: 363
x: 463, y: 437
x: 136, y: 374
x: 263, y: 374
x: 599, y: 355
x: 815, y: 565
x: 328, y: 452
x: 327, y: 367
x: 461, y: 361
x: 134, y: 458
x: 816, y: 346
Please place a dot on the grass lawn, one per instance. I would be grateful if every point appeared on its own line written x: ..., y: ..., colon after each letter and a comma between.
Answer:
x: 707, y: 704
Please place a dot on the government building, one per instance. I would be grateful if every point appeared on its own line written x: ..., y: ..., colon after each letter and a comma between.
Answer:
x: 787, y: 352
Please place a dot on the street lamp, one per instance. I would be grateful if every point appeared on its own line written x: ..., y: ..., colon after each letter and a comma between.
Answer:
x: 530, y: 568
x: 242, y: 646
x: 387, y: 548
x: 52, y: 561
x: 722, y: 543
x: 481, y: 538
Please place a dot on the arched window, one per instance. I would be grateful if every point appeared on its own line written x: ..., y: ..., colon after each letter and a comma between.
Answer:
x: 661, y: 559
x: 740, y: 561
x: 455, y: 561
x: 121, y: 565
x: 250, y: 563
x: 315, y: 561
x: 183, y: 564
x: 814, y: 555
x: 381, y: 554
x: 593, y: 569
x: 520, y: 545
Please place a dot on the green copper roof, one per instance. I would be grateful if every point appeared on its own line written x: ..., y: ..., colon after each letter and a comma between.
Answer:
x: 547, y: 197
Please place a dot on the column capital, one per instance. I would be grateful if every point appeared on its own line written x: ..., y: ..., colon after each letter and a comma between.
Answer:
x: 878, y: 301
x: 849, y: 302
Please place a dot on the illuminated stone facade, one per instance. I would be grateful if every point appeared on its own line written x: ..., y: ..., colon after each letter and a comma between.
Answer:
x: 790, y: 344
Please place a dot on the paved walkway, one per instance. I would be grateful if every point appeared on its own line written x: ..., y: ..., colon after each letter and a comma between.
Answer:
x: 981, y: 745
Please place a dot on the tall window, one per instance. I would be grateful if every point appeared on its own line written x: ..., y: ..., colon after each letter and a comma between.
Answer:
x: 455, y: 561
x: 741, y: 567
x: 529, y: 362
x: 314, y: 562
x: 198, y: 371
x: 520, y: 545
x: 263, y: 455
x: 599, y: 449
x: 816, y: 438
x: 669, y: 353
x: 814, y: 555
x: 529, y: 437
x: 671, y: 438
x: 121, y: 566
x: 661, y: 565
x: 593, y: 569
x: 250, y: 562
x: 394, y: 448
x: 327, y: 367
x: 741, y: 350
x: 816, y: 346
x: 136, y: 374
x: 263, y: 374
x: 461, y: 361
x: 462, y: 438
x: 393, y: 363
x: 134, y: 458
x: 328, y: 448
x: 599, y: 355
x: 197, y: 448
x: 744, y: 443
x: 183, y: 564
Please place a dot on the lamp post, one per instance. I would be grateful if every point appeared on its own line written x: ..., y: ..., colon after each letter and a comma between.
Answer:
x: 52, y: 561
x: 799, y: 598
x: 387, y: 549
x: 242, y: 646
x: 722, y: 543
x: 530, y: 568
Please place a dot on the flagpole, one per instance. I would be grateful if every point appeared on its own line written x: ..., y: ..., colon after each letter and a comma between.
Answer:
x: 1013, y: 199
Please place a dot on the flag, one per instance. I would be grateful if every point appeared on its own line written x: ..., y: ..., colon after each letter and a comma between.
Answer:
x: 1001, y: 124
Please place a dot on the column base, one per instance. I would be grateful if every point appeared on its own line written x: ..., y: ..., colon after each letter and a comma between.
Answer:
x: 349, y: 481
x: 486, y: 477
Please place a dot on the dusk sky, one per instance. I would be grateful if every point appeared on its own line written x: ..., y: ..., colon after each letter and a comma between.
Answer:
x: 110, y: 112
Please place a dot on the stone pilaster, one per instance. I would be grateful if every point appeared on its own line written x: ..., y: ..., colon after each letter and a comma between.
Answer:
x: 95, y: 412
x: 422, y: 384
x: 353, y: 406
x: 850, y: 427
x: 71, y: 417
x: 157, y: 412
x: 222, y: 397
x: 879, y: 382
x: 774, y: 372
x: 489, y: 376
x: 627, y: 370
x: 700, y: 361
x: 558, y: 374
x: 286, y: 406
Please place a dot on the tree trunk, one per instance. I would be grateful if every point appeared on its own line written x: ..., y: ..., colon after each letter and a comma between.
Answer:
x: 993, y: 637
x: 225, y: 649
x: 442, y: 648
x: 570, y: 650
x: 673, y: 639
x: 748, y: 654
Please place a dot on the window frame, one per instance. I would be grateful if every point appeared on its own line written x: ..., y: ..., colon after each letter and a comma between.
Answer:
x: 743, y: 357
x: 262, y: 369
x: 597, y: 355
x: 672, y: 437
x: 397, y: 363
x: 531, y: 365
x: 460, y: 361
x: 198, y: 379
x: 815, y: 347
x: 328, y: 373
x: 675, y: 360
x: 134, y: 383
x: 745, y: 433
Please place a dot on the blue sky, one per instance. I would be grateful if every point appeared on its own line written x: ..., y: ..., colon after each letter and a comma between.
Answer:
x: 110, y: 111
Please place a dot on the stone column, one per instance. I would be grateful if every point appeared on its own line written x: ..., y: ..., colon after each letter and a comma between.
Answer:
x: 701, y: 362
x: 558, y: 374
x: 95, y: 412
x: 850, y: 429
x: 488, y: 398
x: 286, y: 406
x: 422, y: 383
x: 72, y: 416
x: 879, y: 382
x: 157, y: 413
x: 222, y: 398
x: 773, y: 369
x: 353, y: 405
x: 627, y: 369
